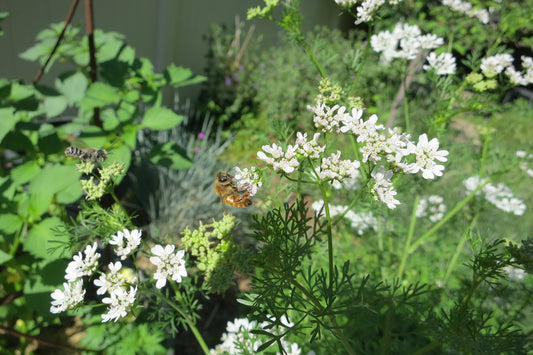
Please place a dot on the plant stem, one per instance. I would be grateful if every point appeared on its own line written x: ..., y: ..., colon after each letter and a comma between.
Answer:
x: 186, y: 318
x: 409, y: 237
x: 459, y: 249
x: 329, y: 232
x: 447, y: 217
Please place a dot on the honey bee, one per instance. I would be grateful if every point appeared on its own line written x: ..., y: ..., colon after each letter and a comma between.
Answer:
x: 88, y: 154
x: 228, y: 192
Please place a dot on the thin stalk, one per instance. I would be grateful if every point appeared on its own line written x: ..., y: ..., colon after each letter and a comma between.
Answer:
x: 309, y: 51
x: 447, y: 217
x: 406, y: 251
x: 459, y: 249
x: 186, y: 318
x: 329, y: 232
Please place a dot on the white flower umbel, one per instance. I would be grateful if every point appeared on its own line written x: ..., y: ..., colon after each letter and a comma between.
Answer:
x: 278, y: 159
x: 466, y: 8
x: 367, y: 10
x: 126, y: 242
x: 309, y: 148
x: 383, y: 190
x: 493, y: 65
x: 120, y: 303
x: 499, y: 195
x: 170, y: 265
x: 332, y: 169
x: 83, y: 266
x: 405, y: 41
x: 443, y: 64
x: 326, y: 119
x: 248, y: 179
x: 68, y: 299
x: 110, y: 281
x: 431, y: 206
x: 427, y: 153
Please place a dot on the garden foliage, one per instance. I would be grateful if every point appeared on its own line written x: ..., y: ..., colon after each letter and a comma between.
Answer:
x: 389, y: 163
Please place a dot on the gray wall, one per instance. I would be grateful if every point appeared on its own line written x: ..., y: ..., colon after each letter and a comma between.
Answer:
x: 165, y: 31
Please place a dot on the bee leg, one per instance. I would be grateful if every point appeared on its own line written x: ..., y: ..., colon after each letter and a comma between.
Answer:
x: 223, y: 204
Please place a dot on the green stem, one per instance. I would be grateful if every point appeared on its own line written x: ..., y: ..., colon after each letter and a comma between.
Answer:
x: 447, y: 217
x: 22, y: 232
x: 409, y: 237
x: 309, y: 51
x: 186, y: 318
x: 459, y: 249
x: 329, y: 232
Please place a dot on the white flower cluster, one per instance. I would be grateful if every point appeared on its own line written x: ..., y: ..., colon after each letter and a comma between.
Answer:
x: 383, y: 190
x: 368, y: 8
x: 499, y: 195
x: 483, y: 15
x: 374, y: 144
x: 405, y: 41
x: 443, y: 64
x: 432, y: 206
x: 361, y: 222
x: 494, y: 65
x: 73, y: 291
x: 239, y: 339
x: 170, y: 265
x: 119, y: 301
x: 126, y: 242
x: 248, y: 179
x: 524, y: 164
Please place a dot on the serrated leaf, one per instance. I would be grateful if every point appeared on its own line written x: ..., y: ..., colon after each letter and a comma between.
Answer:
x: 50, y: 180
x: 4, y: 257
x: 160, y: 118
x: 8, y: 119
x: 179, y: 76
x: 99, y: 95
x: 25, y: 172
x: 73, y: 87
x: 41, y: 238
x: 10, y: 223
x: 93, y: 137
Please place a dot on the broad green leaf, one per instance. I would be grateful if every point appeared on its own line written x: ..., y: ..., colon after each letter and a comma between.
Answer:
x: 99, y: 95
x: 25, y: 172
x: 69, y: 194
x: 73, y: 87
x: 179, y: 76
x: 116, y: 50
x: 10, y: 223
x: 109, y: 119
x: 41, y: 239
x: 170, y: 155
x: 160, y: 118
x: 54, y: 105
x: 93, y: 137
x: 129, y: 136
x: 4, y: 257
x: 8, y: 119
x: 144, y: 67
x: 50, y: 180
x: 126, y: 111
